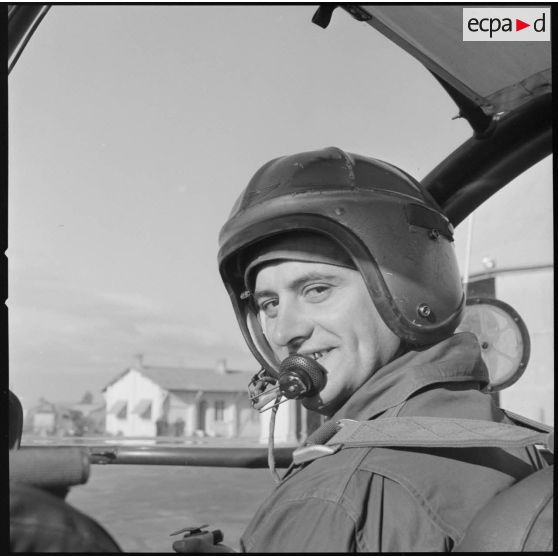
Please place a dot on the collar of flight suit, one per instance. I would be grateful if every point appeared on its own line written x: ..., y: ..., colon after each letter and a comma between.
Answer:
x: 456, y: 359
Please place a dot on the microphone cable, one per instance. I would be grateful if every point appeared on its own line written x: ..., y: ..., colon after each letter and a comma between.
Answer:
x: 271, y: 442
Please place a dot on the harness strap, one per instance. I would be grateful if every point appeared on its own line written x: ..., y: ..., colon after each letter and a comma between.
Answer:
x: 520, y: 420
x: 424, y: 432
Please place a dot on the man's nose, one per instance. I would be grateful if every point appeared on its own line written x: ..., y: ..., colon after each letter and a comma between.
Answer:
x: 292, y: 327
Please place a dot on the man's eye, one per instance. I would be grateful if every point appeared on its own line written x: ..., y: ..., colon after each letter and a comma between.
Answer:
x: 317, y: 293
x: 268, y: 307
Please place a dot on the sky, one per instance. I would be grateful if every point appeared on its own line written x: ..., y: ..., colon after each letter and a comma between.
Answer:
x: 133, y: 129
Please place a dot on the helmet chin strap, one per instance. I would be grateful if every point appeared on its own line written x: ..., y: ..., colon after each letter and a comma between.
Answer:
x: 300, y: 377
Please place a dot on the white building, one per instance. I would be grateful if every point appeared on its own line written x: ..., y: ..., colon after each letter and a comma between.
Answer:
x: 151, y: 400
x: 293, y: 423
x: 507, y: 251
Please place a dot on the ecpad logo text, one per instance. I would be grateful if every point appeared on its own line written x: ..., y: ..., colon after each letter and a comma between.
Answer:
x: 506, y: 24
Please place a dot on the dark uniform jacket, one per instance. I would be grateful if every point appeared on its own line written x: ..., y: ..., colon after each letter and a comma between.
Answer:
x: 396, y: 499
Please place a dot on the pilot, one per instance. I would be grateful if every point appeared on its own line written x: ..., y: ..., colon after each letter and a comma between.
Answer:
x: 347, y: 263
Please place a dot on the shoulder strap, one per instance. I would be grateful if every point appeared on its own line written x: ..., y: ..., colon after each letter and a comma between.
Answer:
x: 423, y: 432
x: 435, y: 432
x: 520, y: 420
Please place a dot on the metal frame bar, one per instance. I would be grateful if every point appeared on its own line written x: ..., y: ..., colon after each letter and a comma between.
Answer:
x: 482, y: 165
x: 249, y: 458
x: 22, y: 23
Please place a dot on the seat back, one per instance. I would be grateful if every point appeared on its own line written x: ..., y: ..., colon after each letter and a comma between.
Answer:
x: 519, y: 519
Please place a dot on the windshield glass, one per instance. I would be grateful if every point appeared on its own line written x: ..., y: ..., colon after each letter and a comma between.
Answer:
x: 132, y: 131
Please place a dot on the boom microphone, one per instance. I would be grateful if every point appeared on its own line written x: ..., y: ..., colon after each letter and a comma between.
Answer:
x: 301, y: 376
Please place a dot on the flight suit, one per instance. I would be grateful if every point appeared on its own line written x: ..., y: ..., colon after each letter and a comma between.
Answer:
x: 396, y: 499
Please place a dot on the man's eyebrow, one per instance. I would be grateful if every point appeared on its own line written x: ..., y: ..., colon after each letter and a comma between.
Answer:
x: 298, y: 282
x: 264, y: 293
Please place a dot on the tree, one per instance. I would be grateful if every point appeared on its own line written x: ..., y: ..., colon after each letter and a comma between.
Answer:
x: 87, y: 398
x: 79, y: 423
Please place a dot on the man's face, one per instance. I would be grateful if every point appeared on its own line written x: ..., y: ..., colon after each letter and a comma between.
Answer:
x: 324, y: 311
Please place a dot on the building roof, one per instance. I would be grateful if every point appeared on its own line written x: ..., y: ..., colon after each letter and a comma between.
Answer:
x: 44, y: 406
x: 192, y: 379
x: 85, y: 408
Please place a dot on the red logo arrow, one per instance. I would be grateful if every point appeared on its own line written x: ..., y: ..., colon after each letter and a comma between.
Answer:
x: 519, y: 24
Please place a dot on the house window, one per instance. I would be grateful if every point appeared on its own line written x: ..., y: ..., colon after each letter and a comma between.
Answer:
x: 120, y: 409
x: 123, y: 413
x: 219, y: 411
x: 143, y: 409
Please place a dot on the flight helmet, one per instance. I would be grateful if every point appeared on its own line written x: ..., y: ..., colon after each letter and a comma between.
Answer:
x: 394, y: 232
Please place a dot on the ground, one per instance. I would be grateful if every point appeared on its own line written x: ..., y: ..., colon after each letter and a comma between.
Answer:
x: 141, y: 505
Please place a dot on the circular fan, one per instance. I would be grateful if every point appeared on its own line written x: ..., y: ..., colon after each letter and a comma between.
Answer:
x: 503, y: 337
